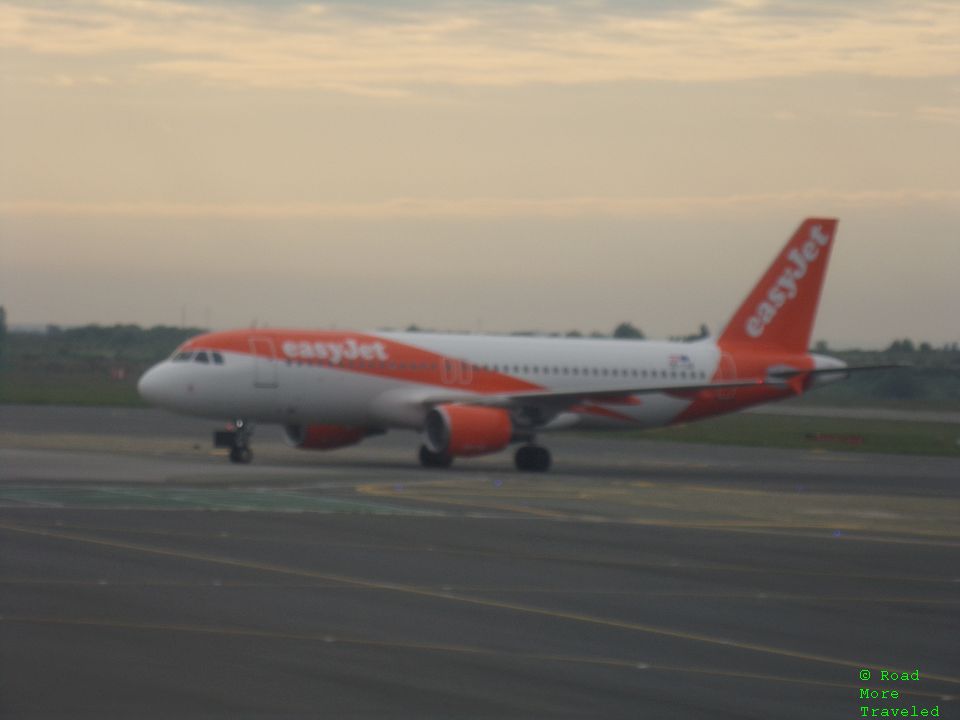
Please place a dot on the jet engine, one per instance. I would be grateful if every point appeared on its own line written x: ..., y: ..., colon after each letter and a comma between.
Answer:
x: 463, y: 430
x: 323, y: 437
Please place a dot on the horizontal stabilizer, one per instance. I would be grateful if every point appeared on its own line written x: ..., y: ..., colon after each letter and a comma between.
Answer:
x: 784, y: 374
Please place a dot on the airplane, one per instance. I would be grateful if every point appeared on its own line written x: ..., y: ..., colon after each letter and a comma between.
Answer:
x: 471, y: 395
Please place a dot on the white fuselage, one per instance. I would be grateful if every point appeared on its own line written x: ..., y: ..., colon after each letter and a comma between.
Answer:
x: 385, y: 388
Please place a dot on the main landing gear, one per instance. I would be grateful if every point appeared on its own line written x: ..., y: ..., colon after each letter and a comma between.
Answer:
x: 237, y: 440
x: 528, y: 458
x: 431, y: 459
x: 532, y: 458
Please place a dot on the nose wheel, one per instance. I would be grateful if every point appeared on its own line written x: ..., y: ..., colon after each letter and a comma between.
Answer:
x: 241, y: 455
x: 237, y: 440
x: 532, y: 458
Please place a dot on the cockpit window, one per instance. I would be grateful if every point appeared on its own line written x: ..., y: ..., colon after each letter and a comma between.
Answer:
x: 199, y: 356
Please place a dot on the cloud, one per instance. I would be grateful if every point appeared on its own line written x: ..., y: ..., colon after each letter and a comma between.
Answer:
x: 476, y: 208
x: 390, y: 50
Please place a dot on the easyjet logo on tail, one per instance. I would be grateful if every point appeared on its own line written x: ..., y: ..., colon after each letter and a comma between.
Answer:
x: 787, y: 286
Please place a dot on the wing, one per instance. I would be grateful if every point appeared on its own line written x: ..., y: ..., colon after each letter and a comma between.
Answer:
x: 546, y: 403
x: 556, y: 400
x: 408, y: 406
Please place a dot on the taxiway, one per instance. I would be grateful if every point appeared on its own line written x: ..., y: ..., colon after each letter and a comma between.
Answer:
x: 142, y: 575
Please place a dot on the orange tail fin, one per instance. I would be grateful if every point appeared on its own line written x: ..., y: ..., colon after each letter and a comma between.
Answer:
x: 780, y: 310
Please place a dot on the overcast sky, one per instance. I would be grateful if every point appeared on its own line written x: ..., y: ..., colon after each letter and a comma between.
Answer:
x: 481, y: 166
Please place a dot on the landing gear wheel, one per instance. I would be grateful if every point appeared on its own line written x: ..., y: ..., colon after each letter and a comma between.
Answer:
x: 241, y: 454
x: 431, y: 459
x: 237, y: 438
x: 532, y: 458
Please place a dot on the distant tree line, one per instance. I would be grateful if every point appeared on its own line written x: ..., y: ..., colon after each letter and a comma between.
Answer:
x: 623, y: 331
x: 93, y: 346
x: 121, y: 335
x: 3, y: 330
x: 906, y: 346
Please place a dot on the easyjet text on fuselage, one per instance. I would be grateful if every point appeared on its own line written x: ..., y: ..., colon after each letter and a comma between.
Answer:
x: 349, y: 349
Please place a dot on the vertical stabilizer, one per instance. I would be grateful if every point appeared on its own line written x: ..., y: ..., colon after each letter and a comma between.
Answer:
x: 780, y: 310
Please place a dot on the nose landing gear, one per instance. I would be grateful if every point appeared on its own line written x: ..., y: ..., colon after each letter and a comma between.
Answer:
x: 241, y: 454
x: 237, y: 439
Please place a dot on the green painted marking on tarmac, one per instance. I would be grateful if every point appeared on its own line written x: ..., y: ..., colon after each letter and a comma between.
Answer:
x: 165, y: 498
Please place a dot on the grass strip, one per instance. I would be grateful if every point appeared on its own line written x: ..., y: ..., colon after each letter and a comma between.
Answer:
x: 815, y: 433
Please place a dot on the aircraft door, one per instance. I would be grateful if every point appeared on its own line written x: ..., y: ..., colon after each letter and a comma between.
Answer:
x: 456, y: 372
x: 728, y: 373
x: 265, y: 371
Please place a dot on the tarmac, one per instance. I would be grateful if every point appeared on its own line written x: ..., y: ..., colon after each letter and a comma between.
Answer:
x: 142, y: 575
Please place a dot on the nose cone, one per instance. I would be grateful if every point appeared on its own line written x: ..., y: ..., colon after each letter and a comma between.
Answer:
x: 151, y: 385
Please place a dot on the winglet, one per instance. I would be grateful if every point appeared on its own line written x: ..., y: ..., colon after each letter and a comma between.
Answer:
x: 780, y: 310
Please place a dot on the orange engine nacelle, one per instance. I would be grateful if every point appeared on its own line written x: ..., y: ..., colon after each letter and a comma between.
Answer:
x: 462, y: 430
x: 323, y: 437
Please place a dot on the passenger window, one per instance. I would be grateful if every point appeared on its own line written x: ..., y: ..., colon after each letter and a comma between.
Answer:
x: 201, y: 357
